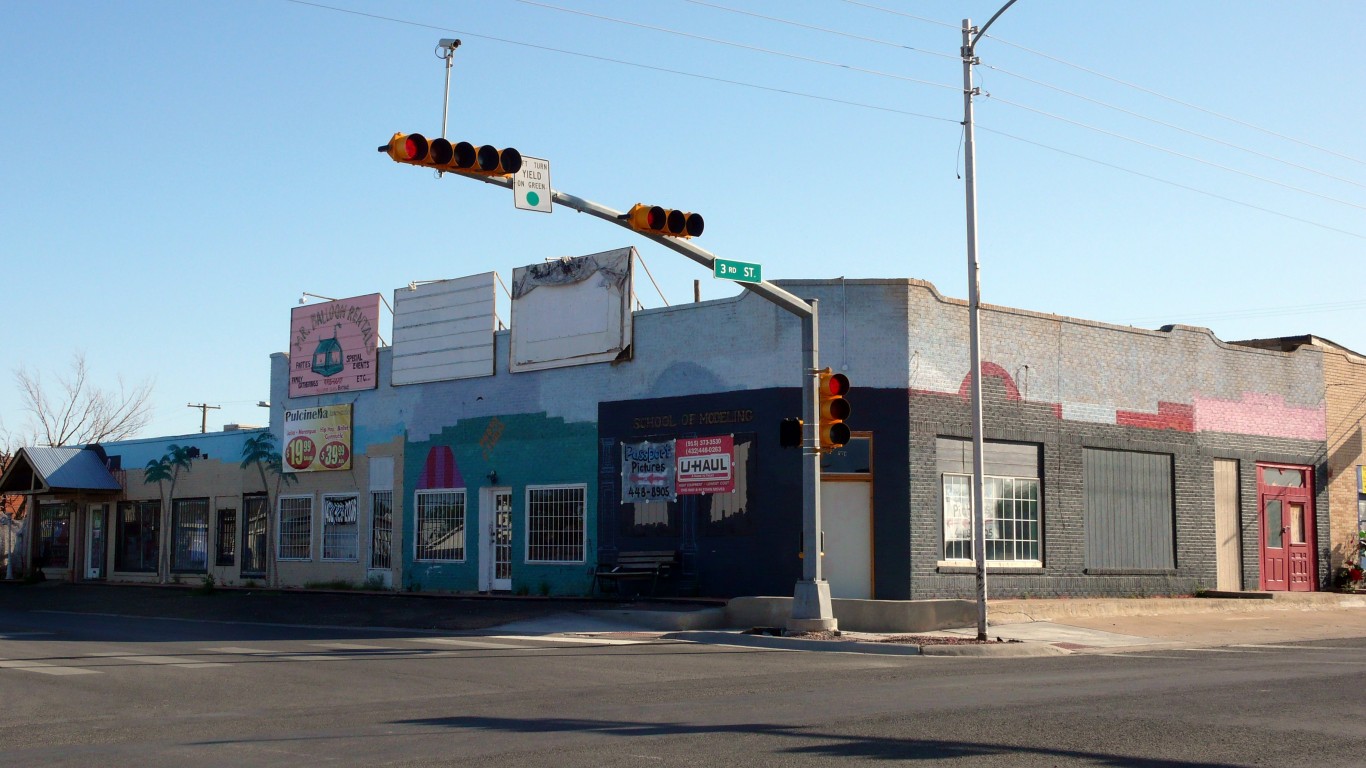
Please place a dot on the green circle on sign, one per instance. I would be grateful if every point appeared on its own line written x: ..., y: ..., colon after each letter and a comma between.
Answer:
x: 533, y: 198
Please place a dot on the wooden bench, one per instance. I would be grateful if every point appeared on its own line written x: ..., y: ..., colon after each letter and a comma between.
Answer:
x: 637, y: 566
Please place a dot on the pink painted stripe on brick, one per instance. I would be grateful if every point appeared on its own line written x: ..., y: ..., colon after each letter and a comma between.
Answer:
x: 1259, y: 414
x: 440, y: 470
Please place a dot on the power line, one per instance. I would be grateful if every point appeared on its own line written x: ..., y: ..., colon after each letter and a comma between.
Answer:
x: 829, y: 99
x: 623, y: 62
x: 903, y: 14
x: 1173, y: 126
x: 742, y: 46
x: 849, y: 35
x: 1182, y: 155
x: 1173, y: 183
x: 1175, y: 100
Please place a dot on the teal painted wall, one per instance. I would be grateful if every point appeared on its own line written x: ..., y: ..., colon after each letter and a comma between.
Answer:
x: 525, y: 450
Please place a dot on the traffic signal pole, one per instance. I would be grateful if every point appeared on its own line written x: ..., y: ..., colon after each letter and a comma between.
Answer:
x: 811, y: 607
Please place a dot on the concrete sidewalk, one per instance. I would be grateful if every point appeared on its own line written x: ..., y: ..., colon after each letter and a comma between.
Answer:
x: 1052, y: 627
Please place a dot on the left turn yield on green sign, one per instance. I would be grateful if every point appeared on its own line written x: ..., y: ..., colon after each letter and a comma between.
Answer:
x: 531, y: 185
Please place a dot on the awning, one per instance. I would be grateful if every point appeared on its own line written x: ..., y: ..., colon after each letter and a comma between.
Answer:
x: 57, y: 470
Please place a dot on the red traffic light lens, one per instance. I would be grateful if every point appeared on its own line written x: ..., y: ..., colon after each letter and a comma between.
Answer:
x: 657, y: 218
x: 837, y: 385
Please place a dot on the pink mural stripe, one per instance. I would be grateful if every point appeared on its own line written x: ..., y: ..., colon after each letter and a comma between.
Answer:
x: 1261, y: 414
x: 440, y: 470
x: 1169, y: 416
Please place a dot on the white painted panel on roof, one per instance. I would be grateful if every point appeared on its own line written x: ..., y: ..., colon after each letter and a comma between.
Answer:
x: 444, y: 330
x: 571, y: 311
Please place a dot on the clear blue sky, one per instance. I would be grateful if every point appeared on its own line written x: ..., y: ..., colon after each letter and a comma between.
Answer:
x: 177, y: 173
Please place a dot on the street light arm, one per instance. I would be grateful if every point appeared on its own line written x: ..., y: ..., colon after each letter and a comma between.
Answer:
x: 972, y: 46
x: 765, y: 289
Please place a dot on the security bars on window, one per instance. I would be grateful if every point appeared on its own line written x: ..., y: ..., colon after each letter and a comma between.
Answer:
x: 341, y: 527
x: 254, y: 536
x: 190, y: 535
x: 1012, y: 518
x: 381, y: 528
x: 555, y: 523
x: 296, y: 528
x: 440, y: 525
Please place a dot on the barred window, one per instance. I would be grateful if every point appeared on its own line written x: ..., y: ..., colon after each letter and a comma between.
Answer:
x: 255, y: 539
x: 381, y: 528
x: 138, y: 537
x: 190, y: 535
x: 440, y: 525
x: 1011, y: 518
x: 296, y: 528
x: 227, y: 537
x: 555, y: 523
x: 341, y: 526
x: 54, y: 548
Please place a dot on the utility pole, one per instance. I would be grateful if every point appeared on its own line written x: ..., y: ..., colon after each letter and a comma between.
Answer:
x: 204, y: 409
x: 979, y: 532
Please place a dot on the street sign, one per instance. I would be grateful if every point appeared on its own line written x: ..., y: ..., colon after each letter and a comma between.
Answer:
x: 741, y: 271
x: 531, y: 185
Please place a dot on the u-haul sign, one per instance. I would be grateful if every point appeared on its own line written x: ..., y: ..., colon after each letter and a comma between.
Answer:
x: 705, y: 465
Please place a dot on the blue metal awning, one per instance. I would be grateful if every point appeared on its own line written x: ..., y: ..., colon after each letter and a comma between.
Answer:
x: 49, y: 470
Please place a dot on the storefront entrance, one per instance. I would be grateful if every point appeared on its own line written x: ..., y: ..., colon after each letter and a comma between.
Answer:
x: 1285, y: 503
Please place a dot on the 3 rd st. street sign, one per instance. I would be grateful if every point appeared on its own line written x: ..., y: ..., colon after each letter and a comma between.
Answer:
x: 742, y: 271
x: 531, y: 185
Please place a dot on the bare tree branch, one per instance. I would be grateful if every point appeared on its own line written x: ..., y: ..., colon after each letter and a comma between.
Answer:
x: 78, y: 413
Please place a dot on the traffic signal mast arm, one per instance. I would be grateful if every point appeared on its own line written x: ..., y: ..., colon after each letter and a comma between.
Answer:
x: 767, y: 290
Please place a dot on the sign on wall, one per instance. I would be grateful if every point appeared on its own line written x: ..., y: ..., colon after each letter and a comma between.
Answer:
x: 318, y: 439
x: 647, y: 472
x: 705, y: 465
x: 444, y: 330
x: 332, y: 346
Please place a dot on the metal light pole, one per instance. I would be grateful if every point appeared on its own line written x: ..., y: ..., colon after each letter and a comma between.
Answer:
x: 979, y: 532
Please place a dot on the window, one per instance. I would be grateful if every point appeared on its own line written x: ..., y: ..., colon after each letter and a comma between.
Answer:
x: 555, y: 524
x: 1011, y: 518
x: 54, y: 548
x: 138, y: 537
x: 341, y: 527
x: 1130, y: 510
x: 254, y: 535
x: 381, y: 528
x: 440, y: 526
x: 296, y: 528
x: 190, y: 535
x: 227, y: 537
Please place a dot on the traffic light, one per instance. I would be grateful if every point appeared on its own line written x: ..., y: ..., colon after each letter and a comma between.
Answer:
x: 461, y: 156
x: 790, y: 433
x: 834, y: 409
x: 662, y: 221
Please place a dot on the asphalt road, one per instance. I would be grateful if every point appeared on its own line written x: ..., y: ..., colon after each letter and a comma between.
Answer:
x: 82, y: 690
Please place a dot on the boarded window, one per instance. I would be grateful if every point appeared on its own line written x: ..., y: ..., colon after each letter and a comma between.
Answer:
x: 1130, y: 511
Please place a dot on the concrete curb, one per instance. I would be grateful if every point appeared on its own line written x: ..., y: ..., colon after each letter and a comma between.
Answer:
x: 1004, y: 650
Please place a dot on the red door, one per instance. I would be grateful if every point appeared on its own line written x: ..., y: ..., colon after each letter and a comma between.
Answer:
x: 1285, y: 502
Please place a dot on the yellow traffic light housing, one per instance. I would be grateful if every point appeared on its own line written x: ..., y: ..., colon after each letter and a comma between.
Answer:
x: 462, y: 157
x: 834, y: 409
x: 663, y: 221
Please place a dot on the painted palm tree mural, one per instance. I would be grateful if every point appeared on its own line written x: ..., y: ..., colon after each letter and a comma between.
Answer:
x: 257, y: 555
x: 165, y: 471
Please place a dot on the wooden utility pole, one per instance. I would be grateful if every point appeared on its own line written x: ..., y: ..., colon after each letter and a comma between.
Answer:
x: 203, y: 414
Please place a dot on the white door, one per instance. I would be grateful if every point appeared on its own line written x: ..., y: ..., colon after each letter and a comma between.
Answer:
x: 95, y: 539
x: 495, y: 541
x: 847, y: 517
